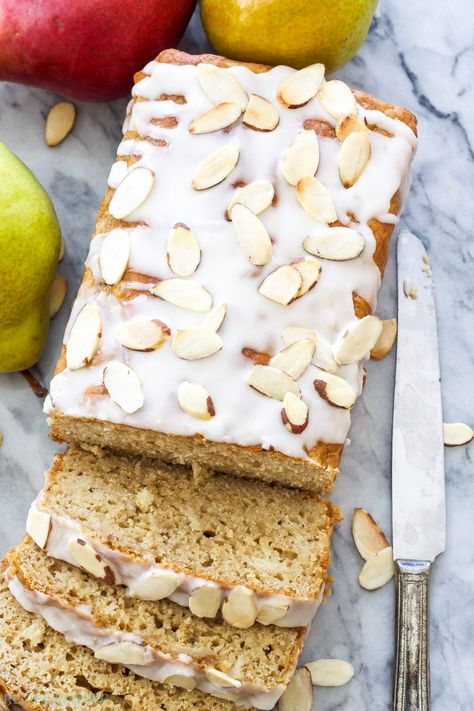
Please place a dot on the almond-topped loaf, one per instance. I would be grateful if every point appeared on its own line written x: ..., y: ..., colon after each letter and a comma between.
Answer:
x: 228, y: 297
x: 202, y: 542
x: 155, y: 639
x: 41, y: 671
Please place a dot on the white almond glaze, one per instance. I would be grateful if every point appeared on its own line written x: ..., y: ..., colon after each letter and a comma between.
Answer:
x: 78, y: 627
x: 131, y: 572
x: 243, y: 416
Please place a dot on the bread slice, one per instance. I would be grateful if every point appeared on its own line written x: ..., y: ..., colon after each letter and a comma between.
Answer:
x: 205, y: 537
x: 149, y: 365
x: 155, y: 639
x: 41, y: 671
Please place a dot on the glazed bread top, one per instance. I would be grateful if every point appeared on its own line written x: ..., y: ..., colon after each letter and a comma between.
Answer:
x: 247, y: 215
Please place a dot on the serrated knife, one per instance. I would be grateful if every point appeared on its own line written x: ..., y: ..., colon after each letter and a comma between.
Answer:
x: 418, y: 490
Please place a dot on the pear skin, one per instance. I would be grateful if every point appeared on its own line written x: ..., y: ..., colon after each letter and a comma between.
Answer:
x: 30, y: 240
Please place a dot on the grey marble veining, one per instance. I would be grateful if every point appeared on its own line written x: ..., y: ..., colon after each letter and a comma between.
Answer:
x: 417, y: 54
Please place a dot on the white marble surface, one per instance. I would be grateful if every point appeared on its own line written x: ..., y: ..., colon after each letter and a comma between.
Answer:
x: 418, y: 55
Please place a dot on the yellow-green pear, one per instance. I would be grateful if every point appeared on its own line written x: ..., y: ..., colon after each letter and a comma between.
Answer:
x: 30, y: 239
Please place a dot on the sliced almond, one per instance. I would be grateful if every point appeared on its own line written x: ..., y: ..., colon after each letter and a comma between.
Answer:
x: 378, y: 570
x: 295, y: 359
x: 124, y: 386
x: 257, y: 196
x: 316, y: 200
x: 260, y: 114
x: 282, y: 285
x: 299, y: 692
x: 386, y: 339
x: 128, y: 653
x: 84, y: 337
x: 239, y: 610
x: 456, y: 433
x: 323, y: 357
x: 143, y: 334
x: 215, y: 318
x: 368, y: 538
x: 59, y: 122
x: 114, y: 255
x: 220, y: 85
x: 156, y: 585
x: 182, y: 681
x: 291, y: 334
x: 215, y: 119
x: 184, y: 293
x: 301, y: 158
x: 300, y: 87
x: 87, y: 558
x: 184, y: 253
x: 272, y: 382
x: 195, y: 343
x: 357, y: 340
x: 335, y: 390
x: 215, y: 167
x: 38, y: 526
x: 257, y: 357
x: 337, y: 99
x: 218, y: 678
x: 195, y: 401
x: 205, y: 601
x: 353, y: 157
x: 271, y: 613
x: 337, y: 243
x: 348, y: 124
x: 310, y: 270
x: 330, y: 672
x: 131, y: 192
x: 57, y: 294
x: 294, y: 413
x: 251, y: 235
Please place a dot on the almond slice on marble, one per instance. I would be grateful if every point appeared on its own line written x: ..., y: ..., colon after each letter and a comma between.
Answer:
x: 195, y: 342
x: 330, y: 672
x: 291, y: 334
x: 59, y: 122
x: 215, y: 119
x: 301, y: 158
x: 298, y: 695
x: 336, y: 243
x: 128, y: 653
x: 294, y: 413
x: 114, y: 255
x: 88, y: 559
x: 300, y: 87
x: 295, y: 358
x: 184, y: 293
x: 357, y: 340
x: 183, y: 251
x: 38, y: 526
x: 84, y: 337
x: 131, y: 192
x: 282, y: 285
x: 182, y: 681
x: 205, y: 601
x: 257, y: 196
x: 271, y: 613
x: 143, y: 334
x: 272, y: 382
x: 252, y: 235
x: 457, y: 433
x: 368, y: 538
x: 239, y: 610
x: 194, y: 400
x: 337, y: 98
x: 353, y: 157
x: 323, y: 357
x: 386, y: 339
x: 215, y: 318
x: 57, y: 294
x: 156, y: 585
x: 124, y: 386
x: 347, y: 124
x: 335, y: 390
x: 219, y: 678
x: 215, y: 167
x: 378, y: 570
x: 316, y: 200
x: 220, y: 85
x: 310, y: 270
x: 260, y: 114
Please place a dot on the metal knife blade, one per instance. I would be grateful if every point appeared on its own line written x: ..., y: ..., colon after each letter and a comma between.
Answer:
x: 418, y: 488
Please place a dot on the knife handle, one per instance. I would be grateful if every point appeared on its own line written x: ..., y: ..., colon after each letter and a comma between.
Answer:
x: 412, y: 669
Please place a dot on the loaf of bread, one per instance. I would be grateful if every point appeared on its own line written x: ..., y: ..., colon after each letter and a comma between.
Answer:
x: 228, y: 296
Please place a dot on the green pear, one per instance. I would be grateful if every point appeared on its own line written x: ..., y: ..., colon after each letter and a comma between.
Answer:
x: 30, y: 239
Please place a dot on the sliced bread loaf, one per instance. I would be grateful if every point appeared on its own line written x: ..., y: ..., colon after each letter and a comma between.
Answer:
x: 201, y: 541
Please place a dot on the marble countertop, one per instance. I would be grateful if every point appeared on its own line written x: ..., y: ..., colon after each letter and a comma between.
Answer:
x: 418, y: 56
